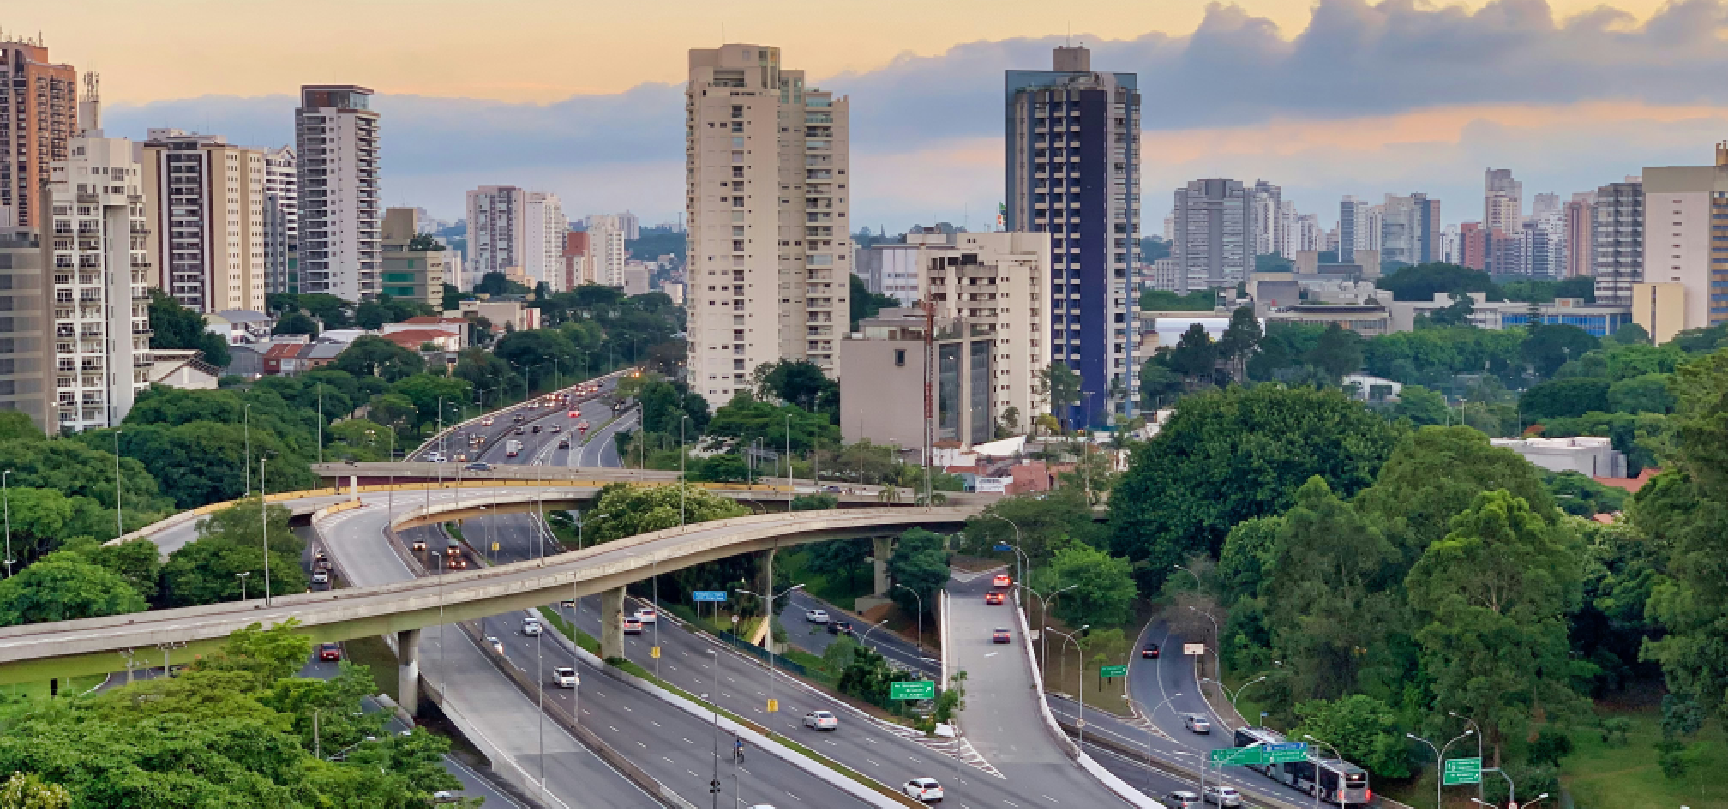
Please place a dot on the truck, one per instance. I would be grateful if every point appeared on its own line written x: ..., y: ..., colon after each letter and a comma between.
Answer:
x: 512, y: 447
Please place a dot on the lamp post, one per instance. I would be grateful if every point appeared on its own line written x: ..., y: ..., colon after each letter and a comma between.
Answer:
x: 1471, y: 723
x: 264, y: 528
x: 1043, y: 615
x: 1334, y: 749
x: 770, y: 613
x: 1512, y: 794
x: 1081, y: 653
x: 1020, y: 555
x: 866, y: 635
x: 242, y: 576
x: 789, y: 486
x: 920, y: 614
x: 1440, y: 762
x: 683, y: 485
x: 714, y: 785
x: 6, y: 501
x: 320, y: 388
x: 1237, y: 694
x: 1199, y: 661
x: 443, y: 672
x: 246, y: 413
x: 1151, y: 731
x: 119, y: 522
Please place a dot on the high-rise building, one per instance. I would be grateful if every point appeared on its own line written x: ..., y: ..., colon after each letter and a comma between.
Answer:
x: 1542, y: 249
x: 1683, y: 242
x: 496, y: 235
x: 1410, y: 229
x: 893, y: 269
x: 1214, y: 234
x: 1579, y: 216
x: 341, y: 218
x: 1308, y: 235
x: 576, y: 267
x: 1268, y: 219
x: 204, y: 200
x: 1502, y: 201
x: 995, y: 284
x: 415, y: 272
x: 42, y: 108
x: 769, y: 265
x: 100, y: 275
x: 25, y: 355
x: 1352, y: 228
x: 1473, y: 246
x: 1618, y: 235
x: 1073, y: 171
x: 1544, y: 204
x: 543, y: 229
x: 627, y: 223
x: 281, y: 221
x: 606, y: 253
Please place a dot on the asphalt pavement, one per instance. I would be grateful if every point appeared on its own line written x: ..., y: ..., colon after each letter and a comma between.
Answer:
x: 814, y: 638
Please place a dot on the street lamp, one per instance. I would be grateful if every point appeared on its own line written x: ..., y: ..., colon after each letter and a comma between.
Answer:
x: 1334, y: 749
x: 683, y: 484
x: 1440, y: 762
x: 1081, y: 653
x: 264, y: 528
x: 920, y: 614
x: 6, y: 501
x: 1151, y: 731
x: 1044, y: 615
x: 714, y: 702
x: 866, y: 635
x: 1237, y: 694
x: 1512, y: 804
x: 770, y: 617
x: 1471, y: 723
x: 1020, y: 554
x: 242, y: 576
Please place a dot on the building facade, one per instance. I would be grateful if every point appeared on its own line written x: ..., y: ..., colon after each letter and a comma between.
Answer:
x: 25, y: 356
x: 893, y: 269
x: 1269, y: 227
x: 606, y: 253
x: 1618, y: 235
x: 888, y: 365
x: 769, y: 270
x: 1578, y: 216
x: 1214, y: 234
x: 1683, y: 242
x: 575, y: 256
x: 204, y: 200
x: 543, y: 229
x: 1410, y: 229
x: 408, y: 273
x: 1073, y: 171
x: 1352, y: 228
x: 281, y: 221
x: 1502, y: 201
x: 341, y: 216
x: 42, y: 111
x: 996, y: 286
x: 495, y: 229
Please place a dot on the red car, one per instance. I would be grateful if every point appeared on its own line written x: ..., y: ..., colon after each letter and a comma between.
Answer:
x: 575, y: 414
x: 1001, y: 635
x: 329, y: 651
x: 993, y: 597
x: 1002, y: 581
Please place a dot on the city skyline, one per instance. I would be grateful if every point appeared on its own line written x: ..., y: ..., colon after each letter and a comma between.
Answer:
x: 1398, y: 130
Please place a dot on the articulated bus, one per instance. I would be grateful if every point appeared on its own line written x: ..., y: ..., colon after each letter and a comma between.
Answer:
x: 1337, y: 781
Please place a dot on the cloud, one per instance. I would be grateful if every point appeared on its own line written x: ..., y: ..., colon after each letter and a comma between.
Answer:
x: 1374, y: 96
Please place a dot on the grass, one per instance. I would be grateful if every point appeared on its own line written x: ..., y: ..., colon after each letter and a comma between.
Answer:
x: 455, y: 530
x: 841, y: 591
x: 373, y: 653
x: 69, y: 687
x: 1599, y: 776
x: 1062, y: 667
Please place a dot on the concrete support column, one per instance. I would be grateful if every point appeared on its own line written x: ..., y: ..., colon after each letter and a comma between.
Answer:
x: 353, y: 487
x: 882, y: 548
x: 408, y: 670
x: 612, y: 623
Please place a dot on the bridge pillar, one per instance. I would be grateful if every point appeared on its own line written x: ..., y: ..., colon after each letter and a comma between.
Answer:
x: 353, y: 487
x: 612, y: 623
x: 408, y: 670
x: 882, y: 548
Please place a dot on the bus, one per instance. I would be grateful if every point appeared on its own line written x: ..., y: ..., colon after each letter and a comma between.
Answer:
x: 1336, y: 781
x: 512, y: 448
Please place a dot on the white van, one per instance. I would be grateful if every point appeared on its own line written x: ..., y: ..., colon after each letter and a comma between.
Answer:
x: 531, y: 626
x: 435, y: 457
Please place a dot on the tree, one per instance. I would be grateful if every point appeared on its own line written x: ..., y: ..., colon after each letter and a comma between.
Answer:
x: 230, y: 542
x: 1338, y: 352
x: 1195, y: 356
x: 1158, y: 300
x: 1493, y: 596
x: 426, y: 391
x: 1105, y: 592
x: 1564, y: 398
x: 1046, y: 524
x: 452, y: 298
x: 296, y: 323
x: 1549, y: 346
x: 175, y: 326
x: 64, y: 586
x: 23, y: 791
x: 800, y: 383
x: 1421, y: 282
x: 1227, y: 456
x: 330, y: 310
x: 1240, y: 340
x: 1629, y: 334
x: 1421, y: 406
x: 1458, y: 314
x: 375, y: 356
x: 1247, y: 557
x: 1641, y: 394
x: 1365, y: 730
x: 1328, y: 594
x: 496, y: 283
x: 1060, y: 386
x: 627, y: 510
x: 919, y: 562
x: 839, y: 558
x: 137, y: 560
x: 747, y: 419
x: 863, y: 303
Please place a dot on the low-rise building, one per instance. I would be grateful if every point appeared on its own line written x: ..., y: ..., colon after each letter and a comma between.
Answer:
x: 1585, y: 455
x: 882, y: 395
x: 240, y: 326
x: 499, y: 313
x: 412, y: 271
x: 1599, y: 319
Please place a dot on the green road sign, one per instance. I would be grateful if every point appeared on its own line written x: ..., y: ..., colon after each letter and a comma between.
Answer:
x: 1114, y: 671
x: 1237, y: 757
x: 912, y: 689
x: 1461, y: 771
x: 1286, y: 756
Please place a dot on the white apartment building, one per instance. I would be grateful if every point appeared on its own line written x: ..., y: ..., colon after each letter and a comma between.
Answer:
x: 341, y: 216
x: 543, y: 229
x: 204, y: 200
x: 1681, y: 243
x: 606, y: 253
x: 1269, y: 226
x: 769, y: 256
x: 100, y: 268
x: 496, y: 237
x: 893, y: 269
x: 627, y: 222
x: 995, y: 284
x: 281, y: 221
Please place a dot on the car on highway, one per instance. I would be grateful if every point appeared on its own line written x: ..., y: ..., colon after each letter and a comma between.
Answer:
x: 435, y: 457
x: 1196, y: 723
x: 816, y: 616
x: 993, y: 597
x: 1001, y: 635
x: 461, y: 456
x: 496, y: 645
x: 478, y: 466
x: 563, y: 443
x: 840, y: 628
x: 536, y: 428
x: 486, y: 422
x: 520, y: 431
x: 457, y: 561
x: 565, y: 677
x: 418, y: 544
x: 821, y: 720
x: 516, y: 418
x: 320, y: 577
x: 329, y: 651
x: 575, y: 414
x: 1182, y: 799
x: 1001, y: 580
x: 557, y: 428
x: 923, y: 789
x: 1149, y: 651
x: 647, y: 616
x: 568, y: 603
x: 531, y: 626
x: 632, y: 626
x: 1225, y: 797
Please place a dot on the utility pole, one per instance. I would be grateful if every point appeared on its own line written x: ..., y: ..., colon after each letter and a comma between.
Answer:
x: 929, y: 392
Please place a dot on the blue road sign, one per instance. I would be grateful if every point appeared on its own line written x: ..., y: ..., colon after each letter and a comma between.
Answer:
x: 708, y: 595
x: 1001, y: 547
x: 1279, y: 747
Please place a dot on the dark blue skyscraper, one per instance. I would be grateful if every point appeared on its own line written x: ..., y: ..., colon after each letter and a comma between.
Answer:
x: 1073, y: 171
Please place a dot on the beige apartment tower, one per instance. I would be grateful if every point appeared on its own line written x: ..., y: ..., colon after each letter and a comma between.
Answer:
x: 41, y: 113
x: 204, y: 199
x: 766, y: 161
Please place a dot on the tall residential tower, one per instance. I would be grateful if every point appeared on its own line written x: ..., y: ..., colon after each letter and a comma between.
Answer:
x: 341, y: 217
x: 1073, y: 171
x: 204, y: 200
x: 42, y: 108
x: 766, y: 161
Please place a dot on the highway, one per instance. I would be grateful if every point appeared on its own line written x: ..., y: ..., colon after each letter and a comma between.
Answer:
x: 814, y: 638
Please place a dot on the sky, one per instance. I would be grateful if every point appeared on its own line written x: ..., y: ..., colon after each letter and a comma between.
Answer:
x: 584, y: 99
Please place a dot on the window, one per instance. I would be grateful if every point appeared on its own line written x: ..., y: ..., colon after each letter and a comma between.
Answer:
x: 899, y: 356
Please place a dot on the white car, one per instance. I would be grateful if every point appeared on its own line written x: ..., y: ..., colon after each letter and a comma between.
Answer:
x: 320, y: 577
x: 816, y: 616
x: 1196, y: 723
x: 821, y: 720
x: 647, y: 616
x: 1182, y: 799
x: 531, y: 627
x: 435, y: 457
x: 496, y: 645
x: 923, y: 789
x: 565, y: 677
x: 1225, y: 797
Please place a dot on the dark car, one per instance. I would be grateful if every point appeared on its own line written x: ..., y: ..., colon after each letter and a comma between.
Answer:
x: 993, y: 597
x: 1001, y: 635
x: 840, y: 628
x: 478, y: 466
x: 536, y: 428
x: 1151, y: 651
